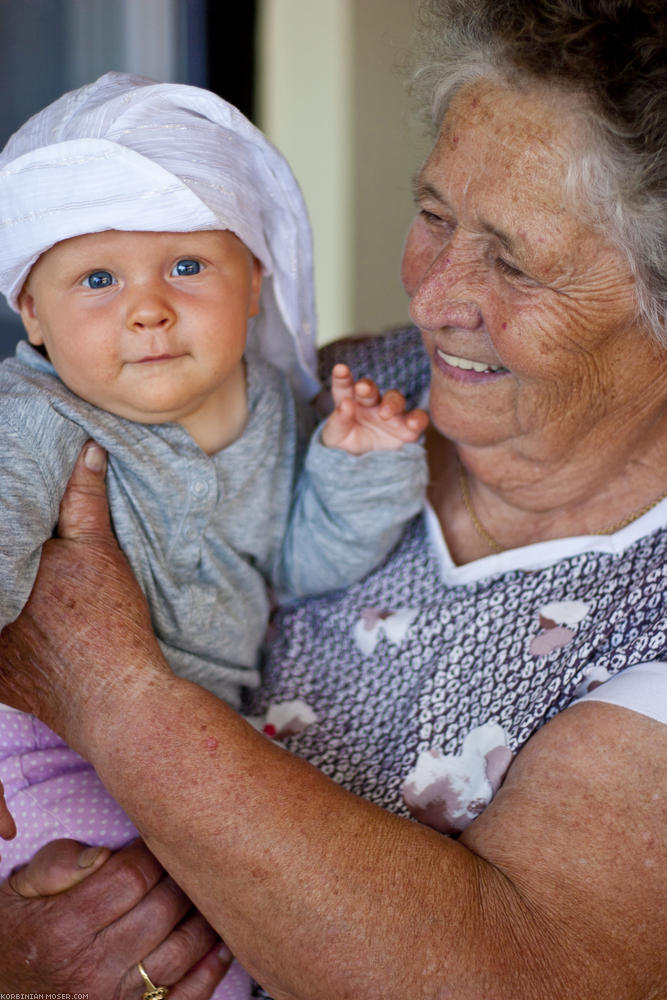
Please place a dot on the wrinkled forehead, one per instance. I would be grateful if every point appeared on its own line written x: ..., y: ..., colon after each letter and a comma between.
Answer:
x: 498, y: 143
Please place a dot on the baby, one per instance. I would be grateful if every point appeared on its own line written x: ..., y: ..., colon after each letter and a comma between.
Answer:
x: 158, y: 250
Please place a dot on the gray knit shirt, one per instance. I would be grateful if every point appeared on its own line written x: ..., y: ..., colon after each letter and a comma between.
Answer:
x: 210, y: 538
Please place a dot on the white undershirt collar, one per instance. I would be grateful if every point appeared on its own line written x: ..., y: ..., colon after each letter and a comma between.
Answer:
x: 540, y: 554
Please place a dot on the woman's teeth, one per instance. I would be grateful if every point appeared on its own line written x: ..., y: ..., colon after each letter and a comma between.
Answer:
x: 474, y: 366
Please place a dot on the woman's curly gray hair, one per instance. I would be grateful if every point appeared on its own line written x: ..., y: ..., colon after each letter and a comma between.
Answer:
x: 611, y: 53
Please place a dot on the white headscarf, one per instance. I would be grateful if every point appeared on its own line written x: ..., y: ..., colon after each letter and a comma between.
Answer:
x: 126, y: 153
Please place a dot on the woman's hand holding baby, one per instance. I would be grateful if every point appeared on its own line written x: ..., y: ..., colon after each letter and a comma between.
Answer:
x: 67, y: 561
x: 365, y: 420
x: 64, y: 932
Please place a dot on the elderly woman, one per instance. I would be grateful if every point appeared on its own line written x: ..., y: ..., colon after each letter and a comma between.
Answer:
x: 535, y: 274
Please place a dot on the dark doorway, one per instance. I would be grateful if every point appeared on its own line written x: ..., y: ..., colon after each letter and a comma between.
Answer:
x: 230, y: 47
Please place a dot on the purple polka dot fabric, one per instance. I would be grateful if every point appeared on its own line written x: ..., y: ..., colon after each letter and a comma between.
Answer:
x: 53, y: 792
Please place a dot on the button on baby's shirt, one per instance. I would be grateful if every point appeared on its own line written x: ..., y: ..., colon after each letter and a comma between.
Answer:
x: 199, y: 488
x: 199, y: 503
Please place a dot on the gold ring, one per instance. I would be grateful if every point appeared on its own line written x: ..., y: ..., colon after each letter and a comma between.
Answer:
x: 152, y: 992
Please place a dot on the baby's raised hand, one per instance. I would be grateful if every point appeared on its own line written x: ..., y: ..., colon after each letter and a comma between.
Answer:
x: 364, y: 420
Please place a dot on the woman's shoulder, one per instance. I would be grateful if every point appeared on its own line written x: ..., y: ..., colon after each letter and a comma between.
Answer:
x: 394, y: 359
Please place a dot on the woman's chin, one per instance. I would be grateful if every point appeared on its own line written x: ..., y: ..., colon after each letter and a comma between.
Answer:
x: 480, y: 421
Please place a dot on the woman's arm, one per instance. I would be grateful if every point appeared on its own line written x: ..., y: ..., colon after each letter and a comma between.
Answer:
x: 554, y: 891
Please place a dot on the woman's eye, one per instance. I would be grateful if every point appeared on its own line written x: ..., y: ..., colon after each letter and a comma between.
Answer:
x: 442, y: 228
x: 508, y: 268
x: 185, y: 267
x: 431, y: 218
x: 99, y: 279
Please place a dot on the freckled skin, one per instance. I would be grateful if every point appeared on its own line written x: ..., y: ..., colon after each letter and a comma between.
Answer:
x: 585, y: 393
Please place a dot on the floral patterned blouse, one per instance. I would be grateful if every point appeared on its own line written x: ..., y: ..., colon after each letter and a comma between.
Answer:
x: 416, y: 686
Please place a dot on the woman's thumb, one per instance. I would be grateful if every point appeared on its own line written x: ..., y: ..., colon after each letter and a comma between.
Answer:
x: 84, y: 511
x: 56, y: 867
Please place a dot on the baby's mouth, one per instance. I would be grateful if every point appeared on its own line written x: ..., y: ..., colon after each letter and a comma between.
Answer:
x: 157, y: 357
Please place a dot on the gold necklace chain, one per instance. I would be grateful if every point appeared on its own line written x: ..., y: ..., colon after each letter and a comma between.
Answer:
x: 495, y: 546
x: 488, y: 539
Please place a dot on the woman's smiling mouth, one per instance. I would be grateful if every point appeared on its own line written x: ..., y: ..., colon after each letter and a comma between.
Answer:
x: 449, y: 362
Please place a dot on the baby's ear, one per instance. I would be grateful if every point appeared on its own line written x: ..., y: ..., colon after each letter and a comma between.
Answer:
x: 255, y: 287
x: 28, y: 312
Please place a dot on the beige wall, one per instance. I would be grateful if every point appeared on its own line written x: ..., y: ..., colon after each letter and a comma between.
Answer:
x: 332, y: 100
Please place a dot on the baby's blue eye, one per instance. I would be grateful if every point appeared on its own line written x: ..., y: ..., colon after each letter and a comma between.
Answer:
x: 185, y: 267
x: 98, y: 279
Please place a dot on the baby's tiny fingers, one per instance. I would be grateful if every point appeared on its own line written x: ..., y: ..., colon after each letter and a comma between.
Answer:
x: 341, y: 372
x: 339, y: 423
x: 417, y: 421
x: 342, y: 383
x: 346, y: 410
x: 393, y: 404
x: 366, y: 392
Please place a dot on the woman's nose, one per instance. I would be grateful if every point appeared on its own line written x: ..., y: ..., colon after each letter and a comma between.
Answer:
x: 443, y: 291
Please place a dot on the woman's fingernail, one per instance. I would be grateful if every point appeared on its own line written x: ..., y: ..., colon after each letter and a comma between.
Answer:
x: 94, y: 458
x: 88, y: 857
